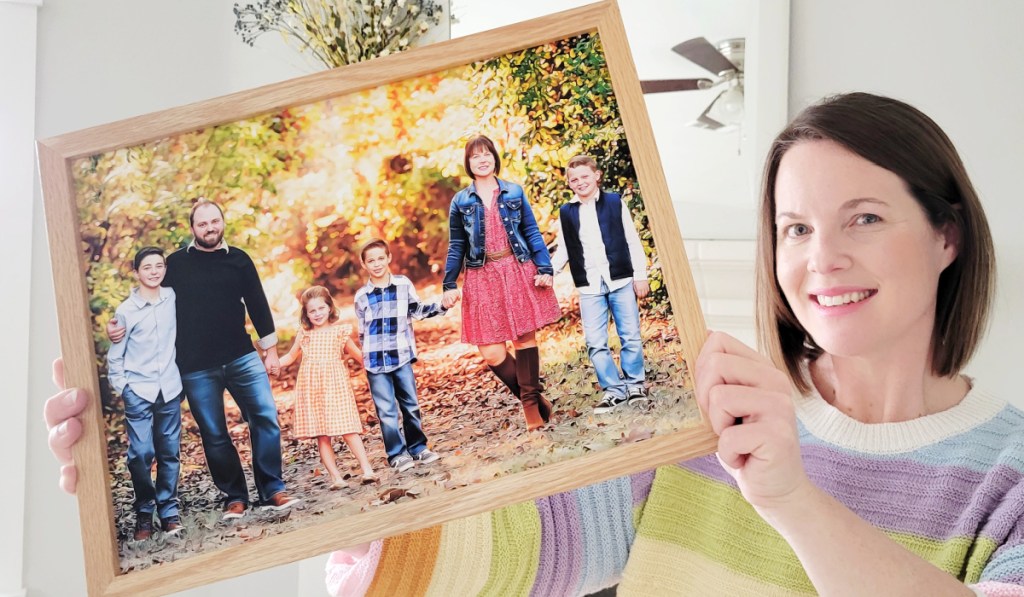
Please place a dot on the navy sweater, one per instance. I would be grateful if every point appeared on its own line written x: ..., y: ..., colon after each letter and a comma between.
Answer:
x: 210, y: 289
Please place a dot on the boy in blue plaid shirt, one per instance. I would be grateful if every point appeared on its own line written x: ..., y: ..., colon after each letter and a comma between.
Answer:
x: 384, y: 308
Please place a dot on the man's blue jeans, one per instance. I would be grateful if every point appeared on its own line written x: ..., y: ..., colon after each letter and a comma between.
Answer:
x: 246, y: 379
x: 622, y: 306
x: 154, y: 431
x: 391, y: 392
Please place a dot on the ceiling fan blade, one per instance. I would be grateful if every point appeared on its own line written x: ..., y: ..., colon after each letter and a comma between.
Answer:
x: 666, y: 85
x: 700, y: 52
x: 706, y: 122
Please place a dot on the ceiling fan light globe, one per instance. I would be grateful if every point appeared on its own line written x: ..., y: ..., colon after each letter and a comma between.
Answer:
x: 728, y: 107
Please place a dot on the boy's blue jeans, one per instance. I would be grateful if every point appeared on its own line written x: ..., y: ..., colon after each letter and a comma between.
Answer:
x: 154, y: 431
x: 622, y: 306
x: 391, y: 392
x: 246, y: 379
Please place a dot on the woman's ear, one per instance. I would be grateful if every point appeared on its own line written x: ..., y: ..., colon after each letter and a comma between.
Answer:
x: 951, y: 235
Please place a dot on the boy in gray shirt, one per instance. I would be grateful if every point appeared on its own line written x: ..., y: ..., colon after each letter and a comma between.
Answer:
x: 143, y: 371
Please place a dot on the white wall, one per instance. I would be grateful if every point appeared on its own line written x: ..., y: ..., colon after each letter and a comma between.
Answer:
x: 18, y: 72
x: 962, y: 63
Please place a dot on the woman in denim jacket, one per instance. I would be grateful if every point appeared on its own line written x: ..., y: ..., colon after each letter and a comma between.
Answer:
x: 507, y: 292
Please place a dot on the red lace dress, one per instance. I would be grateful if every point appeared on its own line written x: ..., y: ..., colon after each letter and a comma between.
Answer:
x: 499, y: 300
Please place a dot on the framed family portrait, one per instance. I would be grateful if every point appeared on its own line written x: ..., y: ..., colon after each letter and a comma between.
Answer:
x: 369, y: 301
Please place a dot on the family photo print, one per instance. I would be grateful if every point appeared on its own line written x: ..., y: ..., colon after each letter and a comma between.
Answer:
x: 368, y: 301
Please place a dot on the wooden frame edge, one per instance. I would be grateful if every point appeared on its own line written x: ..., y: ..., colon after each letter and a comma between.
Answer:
x: 97, y: 523
x: 660, y: 213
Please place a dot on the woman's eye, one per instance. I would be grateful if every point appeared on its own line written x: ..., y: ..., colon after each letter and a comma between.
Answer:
x: 868, y: 219
x: 796, y: 230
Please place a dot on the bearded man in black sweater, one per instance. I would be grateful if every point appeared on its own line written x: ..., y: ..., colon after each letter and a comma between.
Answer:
x: 215, y: 286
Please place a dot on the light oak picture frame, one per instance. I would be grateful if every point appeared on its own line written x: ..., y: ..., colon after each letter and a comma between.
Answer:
x: 56, y: 156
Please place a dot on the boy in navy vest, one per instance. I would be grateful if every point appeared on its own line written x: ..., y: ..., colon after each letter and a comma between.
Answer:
x: 609, y: 268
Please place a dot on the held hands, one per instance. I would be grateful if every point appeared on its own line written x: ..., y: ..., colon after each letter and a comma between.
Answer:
x: 734, y: 383
x: 450, y: 298
x: 543, y: 280
x: 271, y: 362
x: 642, y: 288
x: 59, y: 412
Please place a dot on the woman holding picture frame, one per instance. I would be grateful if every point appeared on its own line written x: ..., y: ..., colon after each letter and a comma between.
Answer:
x: 854, y: 459
x: 507, y: 294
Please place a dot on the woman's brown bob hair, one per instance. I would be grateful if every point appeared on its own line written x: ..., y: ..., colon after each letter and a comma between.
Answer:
x: 901, y: 139
x: 476, y: 144
x: 317, y: 292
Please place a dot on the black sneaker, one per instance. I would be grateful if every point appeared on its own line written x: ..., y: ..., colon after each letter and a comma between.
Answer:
x: 637, y: 395
x: 143, y: 526
x: 609, y: 403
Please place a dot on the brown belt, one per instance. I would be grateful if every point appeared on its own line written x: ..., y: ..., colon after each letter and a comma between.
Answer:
x: 497, y: 255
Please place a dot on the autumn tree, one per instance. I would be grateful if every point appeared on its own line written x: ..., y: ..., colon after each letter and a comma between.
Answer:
x: 555, y: 101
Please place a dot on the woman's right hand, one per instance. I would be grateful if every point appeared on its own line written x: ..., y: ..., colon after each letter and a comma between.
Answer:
x: 450, y: 298
x: 748, y: 402
x: 60, y: 412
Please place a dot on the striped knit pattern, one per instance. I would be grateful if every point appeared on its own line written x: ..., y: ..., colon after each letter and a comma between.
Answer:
x: 464, y: 557
x: 414, y: 555
x: 516, y: 550
x: 607, y: 517
x: 949, y: 487
x: 561, y: 546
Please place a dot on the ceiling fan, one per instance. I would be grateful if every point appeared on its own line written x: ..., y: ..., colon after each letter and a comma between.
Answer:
x: 725, y: 62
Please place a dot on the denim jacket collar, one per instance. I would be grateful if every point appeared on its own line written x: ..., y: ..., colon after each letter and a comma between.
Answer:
x: 503, y: 188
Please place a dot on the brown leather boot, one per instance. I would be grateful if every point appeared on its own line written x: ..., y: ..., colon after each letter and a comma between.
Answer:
x: 506, y: 372
x: 536, y: 408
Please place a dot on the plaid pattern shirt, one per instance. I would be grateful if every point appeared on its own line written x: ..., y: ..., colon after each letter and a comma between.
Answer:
x: 385, y: 329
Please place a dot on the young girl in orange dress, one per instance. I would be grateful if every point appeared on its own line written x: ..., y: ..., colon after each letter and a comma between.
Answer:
x: 325, y: 406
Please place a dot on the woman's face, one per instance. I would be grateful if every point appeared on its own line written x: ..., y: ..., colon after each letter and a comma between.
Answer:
x: 481, y: 162
x: 856, y: 257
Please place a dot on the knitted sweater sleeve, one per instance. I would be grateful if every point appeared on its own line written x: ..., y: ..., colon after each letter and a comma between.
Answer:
x: 1002, y: 572
x: 959, y: 505
x: 571, y: 543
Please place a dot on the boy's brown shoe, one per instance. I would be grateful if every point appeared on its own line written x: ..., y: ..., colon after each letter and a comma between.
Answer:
x: 281, y: 501
x: 233, y: 510
x: 171, y: 525
x: 143, y: 526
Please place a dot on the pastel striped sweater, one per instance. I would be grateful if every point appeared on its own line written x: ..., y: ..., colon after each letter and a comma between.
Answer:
x: 949, y: 487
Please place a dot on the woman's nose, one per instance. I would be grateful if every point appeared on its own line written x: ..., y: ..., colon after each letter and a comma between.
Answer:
x: 828, y: 253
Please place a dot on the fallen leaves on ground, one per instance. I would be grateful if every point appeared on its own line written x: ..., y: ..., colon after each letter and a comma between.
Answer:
x: 470, y: 419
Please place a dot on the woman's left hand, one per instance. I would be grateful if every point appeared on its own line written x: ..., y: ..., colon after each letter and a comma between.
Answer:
x: 543, y: 280
x: 749, y: 405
